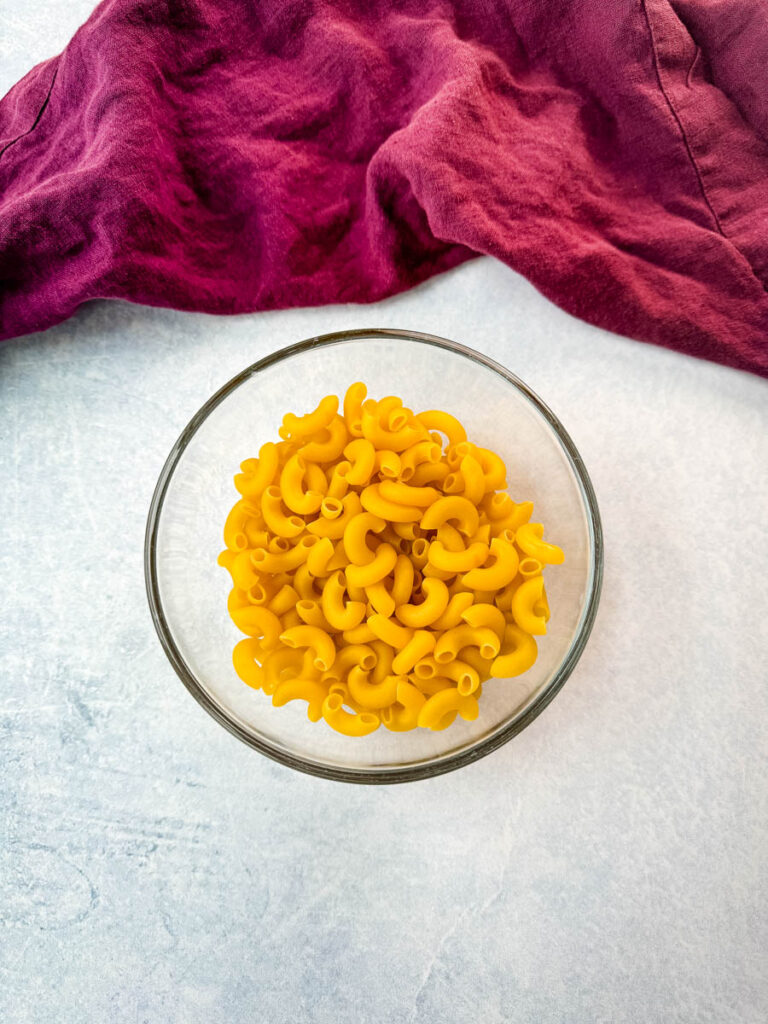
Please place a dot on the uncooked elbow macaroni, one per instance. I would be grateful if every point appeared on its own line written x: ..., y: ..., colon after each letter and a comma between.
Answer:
x: 380, y: 572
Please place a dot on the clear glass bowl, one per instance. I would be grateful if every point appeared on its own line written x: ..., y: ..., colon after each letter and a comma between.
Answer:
x: 187, y: 590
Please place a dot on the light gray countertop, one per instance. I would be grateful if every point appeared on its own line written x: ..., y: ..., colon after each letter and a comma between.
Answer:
x: 608, y: 865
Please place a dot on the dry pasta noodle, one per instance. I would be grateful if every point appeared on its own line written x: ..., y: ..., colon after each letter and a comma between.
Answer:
x: 380, y: 571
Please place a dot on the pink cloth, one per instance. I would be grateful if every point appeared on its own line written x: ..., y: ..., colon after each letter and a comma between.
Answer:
x: 233, y: 155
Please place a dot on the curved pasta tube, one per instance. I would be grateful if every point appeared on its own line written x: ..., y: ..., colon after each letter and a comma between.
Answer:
x: 453, y: 483
x: 389, y: 631
x: 292, y: 488
x: 235, y: 537
x: 242, y: 571
x: 311, y: 613
x: 303, y: 426
x: 310, y: 690
x: 473, y: 479
x: 391, y: 440
x: 226, y: 559
x: 360, y: 655
x: 406, y: 531
x: 369, y: 694
x: 319, y: 641
x: 382, y: 565
x: 278, y: 545
x: 450, y: 538
x: 257, y: 537
x: 529, y: 606
x: 529, y: 539
x: 245, y: 659
x: 457, y: 605
x: 380, y: 598
x: 272, y: 561
x: 420, y: 552
x: 362, y: 455
x: 497, y: 506
x: 406, y: 716
x: 277, y: 521
x: 304, y: 584
x: 417, y: 455
x: 253, y: 483
x: 236, y: 599
x: 453, y: 508
x: 435, y: 684
x: 530, y: 567
x: 353, y: 401
x: 338, y: 485
x: 324, y: 448
x: 402, y: 586
x: 436, y: 419
x: 444, y: 705
x: 319, y: 556
x: 390, y: 412
x: 257, y: 594
x: 487, y: 616
x: 373, y: 500
x: 404, y: 494
x: 452, y: 641
x: 492, y: 465
x: 418, y: 616
x: 331, y: 508
x: 284, y: 600
x: 472, y: 657
x: 334, y: 528
x: 258, y: 621
x: 356, y: 537
x: 430, y: 572
x: 466, y: 676
x: 498, y: 575
x: 518, y: 653
x: 419, y: 646
x: 341, y: 616
x: 362, y: 634
x: 284, y: 663
x: 429, y: 473
x: 384, y: 658
x: 519, y: 515
x: 426, y: 668
x: 388, y: 464
x: 457, y: 561
x: 315, y: 479
x: 482, y: 535
x: 342, y: 721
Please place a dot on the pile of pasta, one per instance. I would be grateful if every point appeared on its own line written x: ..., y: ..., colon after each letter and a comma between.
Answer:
x: 380, y: 572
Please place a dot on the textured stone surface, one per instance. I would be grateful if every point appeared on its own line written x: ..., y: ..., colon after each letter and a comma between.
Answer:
x: 608, y: 865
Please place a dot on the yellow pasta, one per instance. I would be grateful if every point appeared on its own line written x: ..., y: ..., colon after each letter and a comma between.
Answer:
x: 435, y: 602
x: 362, y: 456
x: 380, y: 572
x: 529, y: 606
x: 360, y: 724
x: 339, y: 614
x: 529, y: 539
x: 296, y: 497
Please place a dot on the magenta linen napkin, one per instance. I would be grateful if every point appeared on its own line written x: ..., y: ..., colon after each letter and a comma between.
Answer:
x: 232, y: 155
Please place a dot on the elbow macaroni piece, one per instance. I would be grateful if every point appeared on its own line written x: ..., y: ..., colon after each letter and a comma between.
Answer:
x: 380, y: 572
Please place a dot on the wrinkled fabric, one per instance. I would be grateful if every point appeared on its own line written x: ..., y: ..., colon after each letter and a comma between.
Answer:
x: 233, y: 155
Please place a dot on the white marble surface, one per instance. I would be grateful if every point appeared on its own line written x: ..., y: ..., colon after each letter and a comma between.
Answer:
x: 608, y: 865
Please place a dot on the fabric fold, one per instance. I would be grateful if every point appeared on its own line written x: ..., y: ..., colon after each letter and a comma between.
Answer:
x: 227, y: 157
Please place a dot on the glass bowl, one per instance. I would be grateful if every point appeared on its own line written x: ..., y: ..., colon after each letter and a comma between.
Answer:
x: 187, y: 590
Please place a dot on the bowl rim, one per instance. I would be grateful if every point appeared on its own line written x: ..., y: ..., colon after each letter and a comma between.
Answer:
x: 430, y: 766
